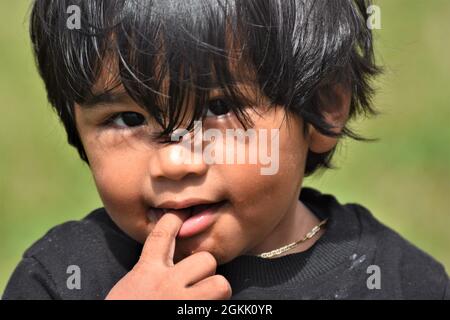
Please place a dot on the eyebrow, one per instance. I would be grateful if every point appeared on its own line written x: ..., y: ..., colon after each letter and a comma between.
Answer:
x: 109, y: 98
x: 105, y: 99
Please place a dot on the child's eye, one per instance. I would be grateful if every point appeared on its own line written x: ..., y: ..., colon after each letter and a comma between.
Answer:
x: 128, y: 119
x: 218, y: 107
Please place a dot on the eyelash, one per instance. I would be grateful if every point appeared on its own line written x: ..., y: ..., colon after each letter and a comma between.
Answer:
x: 109, y: 122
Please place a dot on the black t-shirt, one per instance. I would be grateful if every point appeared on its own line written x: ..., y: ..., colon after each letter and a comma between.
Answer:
x: 356, y: 258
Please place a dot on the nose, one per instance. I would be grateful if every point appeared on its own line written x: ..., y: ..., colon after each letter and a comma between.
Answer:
x: 176, y: 161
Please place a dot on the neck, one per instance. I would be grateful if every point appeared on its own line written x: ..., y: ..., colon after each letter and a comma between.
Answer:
x: 294, y: 225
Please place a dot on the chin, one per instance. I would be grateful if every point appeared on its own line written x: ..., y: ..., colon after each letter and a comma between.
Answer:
x: 203, y: 242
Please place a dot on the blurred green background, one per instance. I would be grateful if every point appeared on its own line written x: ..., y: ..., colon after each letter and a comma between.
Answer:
x: 404, y: 178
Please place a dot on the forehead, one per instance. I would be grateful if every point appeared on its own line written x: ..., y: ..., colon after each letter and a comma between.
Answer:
x: 110, y: 88
x: 171, y: 72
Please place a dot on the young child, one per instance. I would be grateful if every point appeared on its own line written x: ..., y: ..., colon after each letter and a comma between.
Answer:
x: 159, y: 97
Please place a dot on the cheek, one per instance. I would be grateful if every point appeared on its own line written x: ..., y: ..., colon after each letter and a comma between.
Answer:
x: 116, y: 182
x: 260, y: 201
x: 258, y: 196
x: 119, y: 176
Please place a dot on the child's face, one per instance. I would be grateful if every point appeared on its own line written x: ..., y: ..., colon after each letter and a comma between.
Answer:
x: 133, y: 173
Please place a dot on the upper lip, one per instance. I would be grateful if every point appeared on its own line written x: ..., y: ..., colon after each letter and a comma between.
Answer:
x: 184, y: 203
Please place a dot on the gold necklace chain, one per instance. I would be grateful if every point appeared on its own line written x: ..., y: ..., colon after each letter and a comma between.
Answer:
x: 287, y: 247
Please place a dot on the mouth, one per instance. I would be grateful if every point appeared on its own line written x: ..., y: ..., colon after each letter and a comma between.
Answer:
x: 201, y: 215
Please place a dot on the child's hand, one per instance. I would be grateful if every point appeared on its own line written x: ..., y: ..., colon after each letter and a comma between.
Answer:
x: 156, y: 277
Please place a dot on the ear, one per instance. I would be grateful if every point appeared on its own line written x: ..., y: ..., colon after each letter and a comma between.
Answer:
x: 335, y: 107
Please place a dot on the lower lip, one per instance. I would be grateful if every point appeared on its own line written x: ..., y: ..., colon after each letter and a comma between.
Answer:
x: 199, y: 222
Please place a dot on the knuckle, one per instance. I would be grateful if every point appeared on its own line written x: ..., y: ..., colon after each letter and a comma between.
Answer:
x: 208, y: 259
x: 160, y: 233
x: 143, y: 266
x: 222, y: 286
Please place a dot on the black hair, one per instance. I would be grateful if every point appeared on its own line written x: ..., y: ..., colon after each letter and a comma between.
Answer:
x: 294, y: 50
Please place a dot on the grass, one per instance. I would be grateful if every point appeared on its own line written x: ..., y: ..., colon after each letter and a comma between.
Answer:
x: 403, y: 179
